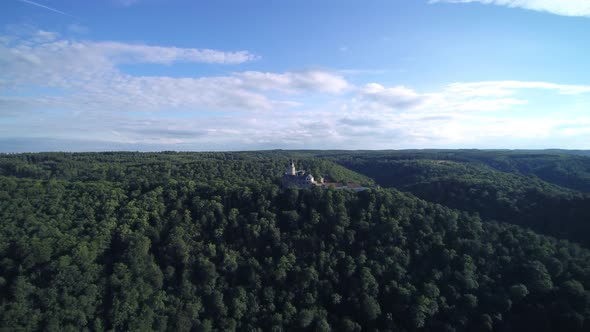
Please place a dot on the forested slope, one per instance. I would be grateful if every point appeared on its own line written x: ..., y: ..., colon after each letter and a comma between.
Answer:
x: 567, y: 170
x: 570, y: 170
x: 136, y: 169
x: 125, y: 244
x: 470, y: 185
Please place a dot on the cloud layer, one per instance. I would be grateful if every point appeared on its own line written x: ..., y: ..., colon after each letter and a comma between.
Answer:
x: 85, y: 76
x: 559, y: 7
x: 57, y: 90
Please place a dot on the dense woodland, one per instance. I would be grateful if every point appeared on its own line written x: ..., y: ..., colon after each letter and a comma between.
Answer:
x: 450, y: 241
x: 524, y: 200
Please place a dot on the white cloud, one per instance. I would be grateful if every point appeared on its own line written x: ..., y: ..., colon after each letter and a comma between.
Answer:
x: 459, y: 97
x: 97, y: 54
x: 310, y: 80
x: 138, y: 53
x: 559, y: 7
x: 472, y: 114
x: 84, y: 76
x: 395, y: 98
x: 45, y: 36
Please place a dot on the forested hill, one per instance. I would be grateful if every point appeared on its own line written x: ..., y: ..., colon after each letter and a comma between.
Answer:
x: 475, y: 187
x: 569, y: 169
x: 151, y: 169
x: 181, y: 242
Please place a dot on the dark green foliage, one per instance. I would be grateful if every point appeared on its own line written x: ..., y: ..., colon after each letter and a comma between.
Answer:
x: 137, y: 170
x: 570, y: 169
x: 460, y: 182
x: 209, y: 242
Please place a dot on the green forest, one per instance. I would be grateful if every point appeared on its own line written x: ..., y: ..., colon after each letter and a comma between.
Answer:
x: 445, y: 240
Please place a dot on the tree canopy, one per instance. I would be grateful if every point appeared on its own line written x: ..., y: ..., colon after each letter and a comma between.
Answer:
x: 210, y: 242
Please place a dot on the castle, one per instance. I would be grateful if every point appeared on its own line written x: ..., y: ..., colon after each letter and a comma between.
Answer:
x: 299, y: 179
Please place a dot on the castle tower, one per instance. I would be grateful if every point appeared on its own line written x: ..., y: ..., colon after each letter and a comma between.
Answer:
x: 291, y: 169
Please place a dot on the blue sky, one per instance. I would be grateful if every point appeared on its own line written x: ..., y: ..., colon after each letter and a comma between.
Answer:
x: 238, y: 75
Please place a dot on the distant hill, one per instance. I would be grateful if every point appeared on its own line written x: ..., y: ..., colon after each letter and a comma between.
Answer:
x: 574, y: 152
x: 124, y: 167
x: 475, y: 187
x: 570, y: 170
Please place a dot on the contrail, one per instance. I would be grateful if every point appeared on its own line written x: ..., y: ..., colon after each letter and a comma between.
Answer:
x: 43, y: 6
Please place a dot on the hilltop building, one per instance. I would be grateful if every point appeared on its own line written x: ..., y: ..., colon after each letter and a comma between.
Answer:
x: 300, y: 179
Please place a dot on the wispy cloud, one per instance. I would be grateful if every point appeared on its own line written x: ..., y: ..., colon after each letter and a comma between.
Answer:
x: 42, y: 59
x: 463, y: 114
x: 507, y: 88
x: 126, y: 3
x: 308, y: 80
x: 394, y: 98
x: 459, y: 97
x: 139, y: 53
x: 85, y: 75
x: 45, y: 7
x: 77, y: 28
x: 559, y: 7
